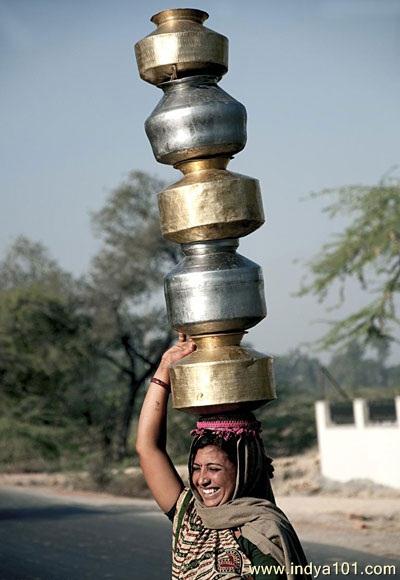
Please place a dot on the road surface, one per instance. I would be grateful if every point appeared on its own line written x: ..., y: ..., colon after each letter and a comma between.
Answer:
x: 61, y: 538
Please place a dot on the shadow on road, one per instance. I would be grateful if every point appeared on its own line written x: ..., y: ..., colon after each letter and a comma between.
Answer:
x: 46, y: 513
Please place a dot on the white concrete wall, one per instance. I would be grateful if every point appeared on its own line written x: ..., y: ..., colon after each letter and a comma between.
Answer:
x: 359, y: 451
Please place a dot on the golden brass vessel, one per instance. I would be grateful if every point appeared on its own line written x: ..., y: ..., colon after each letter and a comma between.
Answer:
x: 210, y: 203
x: 181, y: 45
x: 220, y: 376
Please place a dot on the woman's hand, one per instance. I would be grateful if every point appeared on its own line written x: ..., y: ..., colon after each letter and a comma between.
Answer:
x: 181, y: 349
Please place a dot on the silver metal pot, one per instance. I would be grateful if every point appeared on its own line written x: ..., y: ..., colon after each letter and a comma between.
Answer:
x: 196, y: 118
x: 214, y: 289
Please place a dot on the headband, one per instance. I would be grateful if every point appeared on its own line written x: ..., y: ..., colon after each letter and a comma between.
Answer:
x: 227, y: 428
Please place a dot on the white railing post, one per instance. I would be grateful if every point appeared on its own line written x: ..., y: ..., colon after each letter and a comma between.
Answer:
x: 322, y: 415
x: 397, y: 404
x: 360, y: 413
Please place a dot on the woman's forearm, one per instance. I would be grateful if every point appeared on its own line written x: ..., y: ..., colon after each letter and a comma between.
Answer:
x: 153, y: 417
x: 158, y: 470
x: 151, y: 433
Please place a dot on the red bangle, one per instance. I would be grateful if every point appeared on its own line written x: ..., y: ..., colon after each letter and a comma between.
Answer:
x: 161, y: 383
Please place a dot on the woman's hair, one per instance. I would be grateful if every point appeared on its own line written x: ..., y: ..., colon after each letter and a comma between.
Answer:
x: 228, y: 446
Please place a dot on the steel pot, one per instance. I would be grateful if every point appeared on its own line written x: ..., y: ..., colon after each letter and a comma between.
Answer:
x: 220, y: 376
x: 210, y: 203
x: 196, y: 118
x: 181, y: 46
x: 214, y: 289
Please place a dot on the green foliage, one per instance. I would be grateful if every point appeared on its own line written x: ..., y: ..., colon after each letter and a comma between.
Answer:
x: 123, y: 292
x: 352, y: 368
x: 42, y: 341
x: 76, y: 352
x: 289, y: 424
x: 296, y: 372
x: 368, y: 250
x: 35, y: 445
x: 47, y: 365
x: 28, y: 264
x: 134, y: 257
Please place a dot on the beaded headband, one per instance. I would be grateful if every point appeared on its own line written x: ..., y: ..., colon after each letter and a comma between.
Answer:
x: 227, y: 428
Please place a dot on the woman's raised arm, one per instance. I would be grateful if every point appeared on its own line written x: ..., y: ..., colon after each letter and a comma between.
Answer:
x: 158, y: 470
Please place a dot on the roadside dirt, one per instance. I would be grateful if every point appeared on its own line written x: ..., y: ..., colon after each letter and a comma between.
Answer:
x: 368, y: 525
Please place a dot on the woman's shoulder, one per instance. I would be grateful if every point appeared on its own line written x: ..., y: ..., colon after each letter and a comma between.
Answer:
x: 185, y: 496
x: 181, y: 503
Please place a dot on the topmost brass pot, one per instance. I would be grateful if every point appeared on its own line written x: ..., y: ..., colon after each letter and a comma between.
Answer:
x: 181, y: 46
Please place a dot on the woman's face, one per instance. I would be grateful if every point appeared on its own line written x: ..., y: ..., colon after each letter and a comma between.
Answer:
x: 213, y: 475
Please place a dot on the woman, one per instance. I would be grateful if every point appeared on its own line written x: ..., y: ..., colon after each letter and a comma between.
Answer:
x: 227, y: 522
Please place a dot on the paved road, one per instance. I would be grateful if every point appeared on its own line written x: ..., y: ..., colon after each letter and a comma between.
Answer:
x: 45, y: 538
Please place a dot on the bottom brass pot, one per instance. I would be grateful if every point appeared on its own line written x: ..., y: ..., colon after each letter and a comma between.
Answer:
x: 221, y: 376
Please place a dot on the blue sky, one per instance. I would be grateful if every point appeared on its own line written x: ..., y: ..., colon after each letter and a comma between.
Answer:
x: 321, y: 84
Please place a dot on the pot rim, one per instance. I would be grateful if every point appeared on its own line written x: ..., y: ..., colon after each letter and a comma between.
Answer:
x: 192, y: 14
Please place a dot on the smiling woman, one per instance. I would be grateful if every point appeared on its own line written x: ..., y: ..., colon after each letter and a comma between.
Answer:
x: 213, y: 475
x: 226, y: 522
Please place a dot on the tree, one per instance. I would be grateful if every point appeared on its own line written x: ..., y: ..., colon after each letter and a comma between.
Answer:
x: 123, y: 290
x: 45, y: 359
x: 79, y: 351
x: 28, y: 263
x: 297, y: 372
x: 40, y: 322
x: 352, y: 369
x: 368, y: 250
x: 288, y: 422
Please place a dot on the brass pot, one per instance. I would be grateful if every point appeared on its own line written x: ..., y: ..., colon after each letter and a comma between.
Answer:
x: 221, y: 376
x: 210, y: 203
x: 181, y: 46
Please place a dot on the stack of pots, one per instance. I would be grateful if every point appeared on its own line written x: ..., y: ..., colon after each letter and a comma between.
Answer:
x: 214, y: 294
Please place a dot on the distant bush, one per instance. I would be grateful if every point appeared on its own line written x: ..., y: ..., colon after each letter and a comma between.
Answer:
x: 288, y: 424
